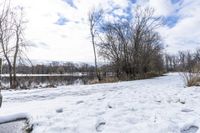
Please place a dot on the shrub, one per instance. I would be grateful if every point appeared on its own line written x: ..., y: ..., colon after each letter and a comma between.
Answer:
x: 191, y: 79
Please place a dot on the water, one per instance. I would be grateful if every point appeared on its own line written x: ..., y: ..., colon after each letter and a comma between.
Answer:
x: 50, y: 80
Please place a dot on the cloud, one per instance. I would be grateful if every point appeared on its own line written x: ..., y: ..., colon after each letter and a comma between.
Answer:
x: 63, y: 25
x: 162, y: 7
x: 184, y: 35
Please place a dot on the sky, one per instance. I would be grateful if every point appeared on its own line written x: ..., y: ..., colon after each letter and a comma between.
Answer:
x: 59, y: 28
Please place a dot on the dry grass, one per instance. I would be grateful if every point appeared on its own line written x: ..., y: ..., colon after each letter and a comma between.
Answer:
x: 109, y: 80
x: 153, y: 74
x: 104, y: 80
x: 93, y: 81
x: 124, y: 78
x: 191, y: 79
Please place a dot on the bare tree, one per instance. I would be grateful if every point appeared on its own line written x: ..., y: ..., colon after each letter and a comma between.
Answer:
x: 133, y: 47
x: 11, y: 37
x: 94, y: 18
x: 5, y: 35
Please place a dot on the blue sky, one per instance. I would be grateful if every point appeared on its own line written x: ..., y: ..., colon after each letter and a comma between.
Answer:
x: 61, y: 20
x: 70, y: 2
x: 59, y: 28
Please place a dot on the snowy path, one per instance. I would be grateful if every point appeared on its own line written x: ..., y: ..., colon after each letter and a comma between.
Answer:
x: 159, y: 105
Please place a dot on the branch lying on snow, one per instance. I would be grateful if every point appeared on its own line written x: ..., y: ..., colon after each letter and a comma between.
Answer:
x: 13, y: 117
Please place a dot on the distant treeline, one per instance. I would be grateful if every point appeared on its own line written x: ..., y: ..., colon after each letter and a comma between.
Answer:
x: 184, y: 61
x: 58, y: 68
x: 51, y: 68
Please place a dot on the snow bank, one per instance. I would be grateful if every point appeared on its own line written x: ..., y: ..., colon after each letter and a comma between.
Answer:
x: 13, y: 117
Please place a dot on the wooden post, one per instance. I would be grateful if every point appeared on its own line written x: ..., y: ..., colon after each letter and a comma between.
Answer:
x: 0, y: 71
x: 0, y: 66
x: 0, y: 81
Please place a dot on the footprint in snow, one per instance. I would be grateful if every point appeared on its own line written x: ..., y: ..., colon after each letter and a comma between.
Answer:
x: 186, y: 110
x: 100, y: 126
x: 190, y: 129
x: 109, y: 106
x: 101, y: 98
x: 78, y: 102
x: 59, y: 110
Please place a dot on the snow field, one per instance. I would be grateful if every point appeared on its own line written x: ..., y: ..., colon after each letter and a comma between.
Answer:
x: 158, y: 105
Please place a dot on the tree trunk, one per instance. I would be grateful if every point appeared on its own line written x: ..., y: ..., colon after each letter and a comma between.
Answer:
x: 15, y: 58
x: 95, y: 57
x: 9, y: 65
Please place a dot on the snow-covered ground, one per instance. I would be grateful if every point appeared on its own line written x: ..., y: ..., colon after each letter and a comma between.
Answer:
x: 158, y: 105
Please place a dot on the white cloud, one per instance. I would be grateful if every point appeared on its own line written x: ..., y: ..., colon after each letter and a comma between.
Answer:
x: 66, y: 42
x: 185, y: 34
x: 162, y: 7
x: 72, y: 42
